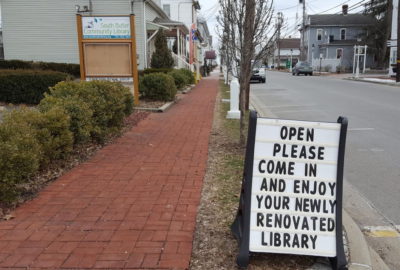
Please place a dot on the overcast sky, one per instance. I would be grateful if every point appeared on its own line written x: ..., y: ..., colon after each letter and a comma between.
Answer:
x: 291, y: 9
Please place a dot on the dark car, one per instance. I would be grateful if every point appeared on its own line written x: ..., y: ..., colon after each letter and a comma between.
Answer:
x: 302, y: 68
x: 258, y: 74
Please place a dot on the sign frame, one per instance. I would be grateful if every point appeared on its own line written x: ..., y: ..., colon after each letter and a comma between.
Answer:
x: 241, y: 225
x: 132, y: 57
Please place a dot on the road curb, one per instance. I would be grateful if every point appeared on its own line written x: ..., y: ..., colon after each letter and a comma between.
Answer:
x: 366, y: 81
x: 360, y: 257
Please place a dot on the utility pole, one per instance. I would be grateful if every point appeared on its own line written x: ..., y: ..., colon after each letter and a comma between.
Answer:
x: 303, y: 29
x: 398, y: 44
x: 280, y: 20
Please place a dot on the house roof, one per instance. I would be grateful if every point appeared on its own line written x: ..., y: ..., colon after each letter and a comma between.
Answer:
x: 169, y: 22
x: 289, y: 43
x: 340, y: 20
x: 157, y: 8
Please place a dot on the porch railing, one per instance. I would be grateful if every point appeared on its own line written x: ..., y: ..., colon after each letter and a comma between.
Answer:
x: 180, y: 62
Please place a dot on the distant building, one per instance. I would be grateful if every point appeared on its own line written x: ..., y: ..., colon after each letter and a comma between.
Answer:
x: 286, y: 50
x: 330, y: 39
x: 205, y: 53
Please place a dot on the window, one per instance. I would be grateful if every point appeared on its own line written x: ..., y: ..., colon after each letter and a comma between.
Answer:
x: 343, y: 34
x: 319, y: 34
x: 339, y: 53
x: 167, y: 9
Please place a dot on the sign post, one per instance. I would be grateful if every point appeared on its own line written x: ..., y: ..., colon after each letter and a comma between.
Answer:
x: 107, y: 49
x: 292, y: 189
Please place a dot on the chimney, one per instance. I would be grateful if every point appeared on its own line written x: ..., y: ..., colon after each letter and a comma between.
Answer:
x: 345, y: 9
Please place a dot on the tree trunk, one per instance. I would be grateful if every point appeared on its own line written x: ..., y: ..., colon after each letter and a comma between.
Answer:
x: 245, y: 67
x: 385, y: 61
x: 247, y: 96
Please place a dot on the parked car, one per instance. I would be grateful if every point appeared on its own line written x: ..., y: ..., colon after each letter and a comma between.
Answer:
x: 258, y: 74
x: 302, y: 68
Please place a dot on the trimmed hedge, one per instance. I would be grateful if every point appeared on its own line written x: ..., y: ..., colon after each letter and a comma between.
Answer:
x: 71, y: 113
x: 155, y: 70
x: 190, y: 79
x: 72, y: 69
x: 106, y: 105
x: 27, y: 86
x: 51, y: 130
x: 158, y: 86
x: 19, y: 158
x: 180, y: 78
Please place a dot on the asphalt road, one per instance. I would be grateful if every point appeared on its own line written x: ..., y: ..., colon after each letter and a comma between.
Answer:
x: 372, y: 164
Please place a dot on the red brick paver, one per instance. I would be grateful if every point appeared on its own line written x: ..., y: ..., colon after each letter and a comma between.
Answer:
x: 132, y: 206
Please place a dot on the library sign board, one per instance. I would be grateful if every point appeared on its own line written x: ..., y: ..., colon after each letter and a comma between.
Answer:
x: 107, y: 49
x: 291, y: 200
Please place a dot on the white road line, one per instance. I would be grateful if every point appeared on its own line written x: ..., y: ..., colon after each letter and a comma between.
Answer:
x: 296, y: 111
x: 361, y: 129
x: 303, y: 105
x: 377, y: 150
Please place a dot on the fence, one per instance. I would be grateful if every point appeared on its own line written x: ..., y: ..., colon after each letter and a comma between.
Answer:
x: 328, y: 65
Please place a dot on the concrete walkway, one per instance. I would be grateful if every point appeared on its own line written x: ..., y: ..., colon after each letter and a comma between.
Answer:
x: 132, y: 206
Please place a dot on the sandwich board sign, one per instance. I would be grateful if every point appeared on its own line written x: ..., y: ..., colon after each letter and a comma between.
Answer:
x: 291, y: 197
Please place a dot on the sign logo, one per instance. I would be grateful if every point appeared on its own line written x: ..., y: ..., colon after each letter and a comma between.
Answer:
x: 106, y: 27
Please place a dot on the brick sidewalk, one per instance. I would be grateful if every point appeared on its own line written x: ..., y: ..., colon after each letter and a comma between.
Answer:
x: 132, y: 206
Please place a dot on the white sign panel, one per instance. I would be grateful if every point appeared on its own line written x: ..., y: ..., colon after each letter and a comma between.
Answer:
x: 293, y: 197
x: 106, y: 27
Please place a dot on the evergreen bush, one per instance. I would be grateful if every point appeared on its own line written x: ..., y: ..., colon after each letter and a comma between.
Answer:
x: 162, y: 57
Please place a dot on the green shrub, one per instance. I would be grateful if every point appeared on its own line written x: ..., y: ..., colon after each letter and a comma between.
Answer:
x: 27, y: 86
x: 72, y: 69
x: 79, y: 112
x: 159, y: 86
x: 109, y: 103
x: 179, y: 77
x: 15, y: 64
x: 50, y: 128
x: 19, y: 158
x: 155, y: 70
x: 189, y: 75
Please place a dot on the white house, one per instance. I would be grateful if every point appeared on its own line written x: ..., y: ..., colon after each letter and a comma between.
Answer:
x: 185, y: 11
x: 46, y: 30
x: 286, y: 50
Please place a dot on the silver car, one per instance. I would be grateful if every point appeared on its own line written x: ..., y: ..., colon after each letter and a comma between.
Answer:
x: 302, y: 68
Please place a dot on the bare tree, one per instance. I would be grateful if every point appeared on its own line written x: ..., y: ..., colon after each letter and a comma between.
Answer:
x: 247, y: 36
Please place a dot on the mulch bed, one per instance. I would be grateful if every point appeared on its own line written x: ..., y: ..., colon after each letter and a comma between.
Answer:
x: 57, y: 168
